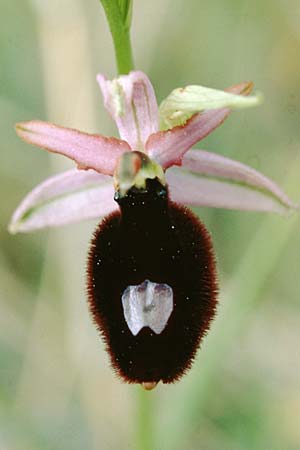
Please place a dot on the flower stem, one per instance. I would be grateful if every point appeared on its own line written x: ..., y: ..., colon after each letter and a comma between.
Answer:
x: 145, y: 432
x: 120, y: 30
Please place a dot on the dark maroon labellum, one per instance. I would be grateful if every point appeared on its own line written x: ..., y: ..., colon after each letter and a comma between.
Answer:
x: 152, y: 241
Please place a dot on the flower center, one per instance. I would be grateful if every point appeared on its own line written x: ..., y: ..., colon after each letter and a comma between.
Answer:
x: 133, y: 170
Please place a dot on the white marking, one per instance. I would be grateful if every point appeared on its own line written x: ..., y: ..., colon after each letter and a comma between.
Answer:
x: 147, y: 305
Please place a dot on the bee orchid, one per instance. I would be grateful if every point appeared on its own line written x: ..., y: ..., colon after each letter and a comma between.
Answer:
x: 151, y: 269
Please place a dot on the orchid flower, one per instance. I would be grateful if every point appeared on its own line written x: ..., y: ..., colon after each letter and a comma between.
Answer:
x: 166, y: 134
x: 151, y: 274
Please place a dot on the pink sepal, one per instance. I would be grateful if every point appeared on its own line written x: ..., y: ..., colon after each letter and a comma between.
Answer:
x: 215, y: 181
x: 69, y: 197
x: 131, y: 101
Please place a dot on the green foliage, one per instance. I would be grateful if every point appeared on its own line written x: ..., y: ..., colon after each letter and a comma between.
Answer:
x: 126, y: 11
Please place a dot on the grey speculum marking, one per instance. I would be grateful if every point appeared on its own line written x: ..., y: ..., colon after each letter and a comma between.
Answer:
x: 147, y: 304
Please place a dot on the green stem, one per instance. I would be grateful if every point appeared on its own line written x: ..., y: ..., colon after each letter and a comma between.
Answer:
x: 145, y: 432
x: 120, y: 34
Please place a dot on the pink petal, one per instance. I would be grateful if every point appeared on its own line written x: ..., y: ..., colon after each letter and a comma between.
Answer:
x: 89, y: 151
x: 224, y: 183
x: 168, y: 147
x: 65, y: 198
x: 131, y: 101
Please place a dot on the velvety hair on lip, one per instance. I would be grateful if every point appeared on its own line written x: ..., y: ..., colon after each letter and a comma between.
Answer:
x: 152, y: 238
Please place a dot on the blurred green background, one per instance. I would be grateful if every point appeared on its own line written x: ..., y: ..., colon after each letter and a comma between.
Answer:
x: 57, y: 390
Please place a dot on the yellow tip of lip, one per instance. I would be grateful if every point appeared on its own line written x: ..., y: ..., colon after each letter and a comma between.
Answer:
x: 149, y: 385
